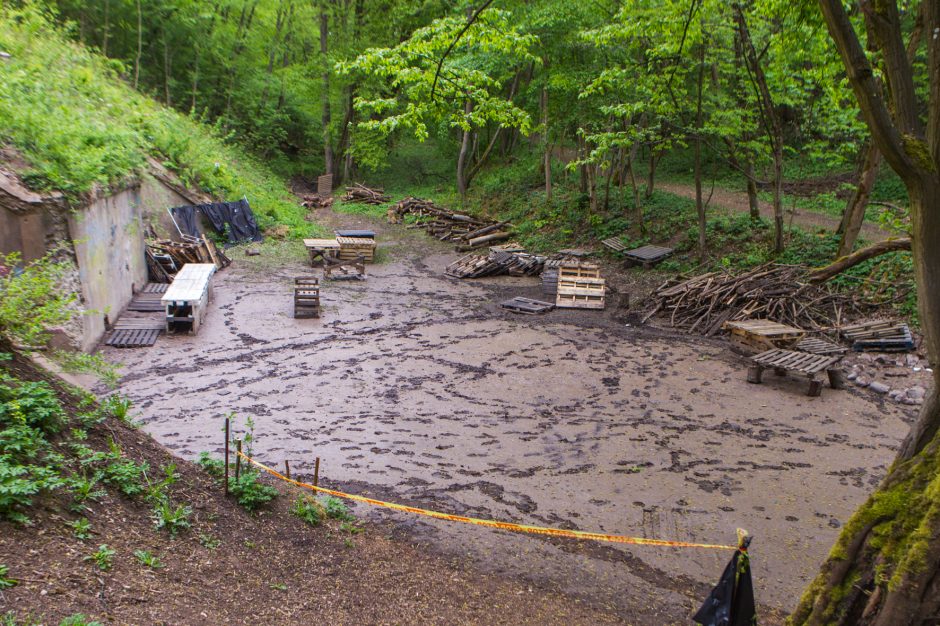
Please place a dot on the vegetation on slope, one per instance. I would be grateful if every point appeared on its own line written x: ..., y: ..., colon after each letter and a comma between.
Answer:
x: 80, y: 126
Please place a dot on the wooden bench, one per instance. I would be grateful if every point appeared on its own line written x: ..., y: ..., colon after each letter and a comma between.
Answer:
x: 800, y: 363
x: 306, y: 297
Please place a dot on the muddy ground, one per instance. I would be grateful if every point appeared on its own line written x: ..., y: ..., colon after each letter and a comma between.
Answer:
x: 419, y: 388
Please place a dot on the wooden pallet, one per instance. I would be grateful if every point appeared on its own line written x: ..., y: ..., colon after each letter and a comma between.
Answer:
x: 578, y: 269
x: 800, y: 363
x: 135, y: 332
x: 527, y: 305
x: 580, y: 293
x: 352, y: 247
x: 880, y: 336
x: 550, y: 281
x: 155, y: 288
x: 815, y: 345
x: 339, y: 269
x: 615, y: 243
x: 325, y: 186
x: 146, y: 302
x: 647, y: 256
x: 752, y: 336
x: 319, y: 249
x: 306, y: 297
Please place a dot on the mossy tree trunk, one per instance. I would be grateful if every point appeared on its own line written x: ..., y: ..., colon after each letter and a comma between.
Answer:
x: 885, y: 566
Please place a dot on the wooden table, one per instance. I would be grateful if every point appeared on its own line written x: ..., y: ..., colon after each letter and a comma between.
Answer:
x: 187, y: 298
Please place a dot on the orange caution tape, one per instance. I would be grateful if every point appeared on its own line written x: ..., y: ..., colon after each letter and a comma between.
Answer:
x: 519, y: 528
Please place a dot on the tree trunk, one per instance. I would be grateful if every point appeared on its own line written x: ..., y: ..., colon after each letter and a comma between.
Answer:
x: 699, y: 205
x: 166, y: 71
x: 139, y: 45
x: 855, y: 209
x: 885, y: 567
x: 637, y: 204
x: 753, y: 202
x: 325, y: 99
x: 546, y: 147
x: 655, y: 156
x: 107, y: 27
x: 843, y: 263
x: 462, y: 157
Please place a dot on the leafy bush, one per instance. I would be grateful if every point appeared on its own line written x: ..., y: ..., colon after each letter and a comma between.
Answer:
x: 213, y: 467
x: 35, y: 289
x: 32, y: 404
x: 250, y: 493
x: 82, y: 528
x: 103, y: 557
x: 118, y: 407
x: 337, y: 509
x: 148, y: 559
x: 127, y: 476
x: 309, y: 510
x: 171, y: 519
x: 83, y: 489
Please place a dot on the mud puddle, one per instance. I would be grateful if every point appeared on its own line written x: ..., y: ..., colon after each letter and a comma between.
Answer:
x: 418, y: 388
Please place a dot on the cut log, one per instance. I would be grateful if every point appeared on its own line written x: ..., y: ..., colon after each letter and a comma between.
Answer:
x: 841, y: 264
x: 479, y: 241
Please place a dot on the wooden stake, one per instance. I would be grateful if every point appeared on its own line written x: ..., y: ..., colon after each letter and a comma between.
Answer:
x: 238, y: 459
x: 227, y: 430
x: 287, y: 468
x: 316, y: 473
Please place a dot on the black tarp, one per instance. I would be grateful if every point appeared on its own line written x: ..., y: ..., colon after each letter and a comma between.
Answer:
x: 235, y: 219
x: 731, y: 602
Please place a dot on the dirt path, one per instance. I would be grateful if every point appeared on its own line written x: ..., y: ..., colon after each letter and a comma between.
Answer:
x: 418, y: 388
x: 737, y: 201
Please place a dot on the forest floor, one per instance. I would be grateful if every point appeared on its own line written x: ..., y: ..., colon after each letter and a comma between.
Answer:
x: 738, y: 201
x: 419, y: 389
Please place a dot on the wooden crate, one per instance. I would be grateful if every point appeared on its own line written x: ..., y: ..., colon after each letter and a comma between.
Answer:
x: 580, y: 293
x: 307, y: 297
x: 352, y: 247
x: 753, y: 336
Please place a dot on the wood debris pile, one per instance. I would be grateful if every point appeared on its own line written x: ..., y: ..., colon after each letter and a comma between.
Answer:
x: 780, y: 293
x: 364, y: 195
x: 496, y: 263
x: 165, y: 257
x: 445, y: 225
x: 314, y: 201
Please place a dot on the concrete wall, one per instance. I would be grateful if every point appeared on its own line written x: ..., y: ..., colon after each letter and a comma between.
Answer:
x: 108, y: 237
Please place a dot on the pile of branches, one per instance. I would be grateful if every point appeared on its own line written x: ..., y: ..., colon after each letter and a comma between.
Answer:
x: 165, y: 257
x: 314, y: 201
x: 445, y: 225
x: 497, y: 262
x: 781, y: 293
x: 364, y: 195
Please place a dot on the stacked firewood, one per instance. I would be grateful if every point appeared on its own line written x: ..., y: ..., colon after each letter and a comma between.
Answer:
x: 497, y: 262
x: 446, y: 225
x: 362, y: 194
x: 781, y: 293
x: 166, y: 257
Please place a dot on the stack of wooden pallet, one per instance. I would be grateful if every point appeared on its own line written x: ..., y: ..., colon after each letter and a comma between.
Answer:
x: 473, y: 266
x: 498, y: 261
x: 166, y: 257
x: 881, y: 336
x: 307, y: 297
x: 550, y: 277
x: 580, y: 286
x: 351, y: 248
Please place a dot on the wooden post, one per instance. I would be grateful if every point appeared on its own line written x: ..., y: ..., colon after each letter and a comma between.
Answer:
x: 287, y: 468
x: 316, y: 473
x: 238, y: 459
x: 227, y: 430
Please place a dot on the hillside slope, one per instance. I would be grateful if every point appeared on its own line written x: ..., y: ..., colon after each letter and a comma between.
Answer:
x: 232, y: 566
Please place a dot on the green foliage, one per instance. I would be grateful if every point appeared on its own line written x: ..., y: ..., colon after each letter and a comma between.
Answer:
x: 118, y: 407
x: 84, y: 488
x: 172, y: 519
x: 79, y: 619
x: 337, y: 509
x: 209, y: 542
x: 79, y: 126
x: 129, y: 477
x: 37, y: 289
x: 82, y: 528
x: 250, y: 492
x: 77, y: 362
x: 103, y: 557
x: 32, y: 404
x: 148, y: 559
x: 5, y: 581
x: 213, y: 467
x: 308, y: 509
